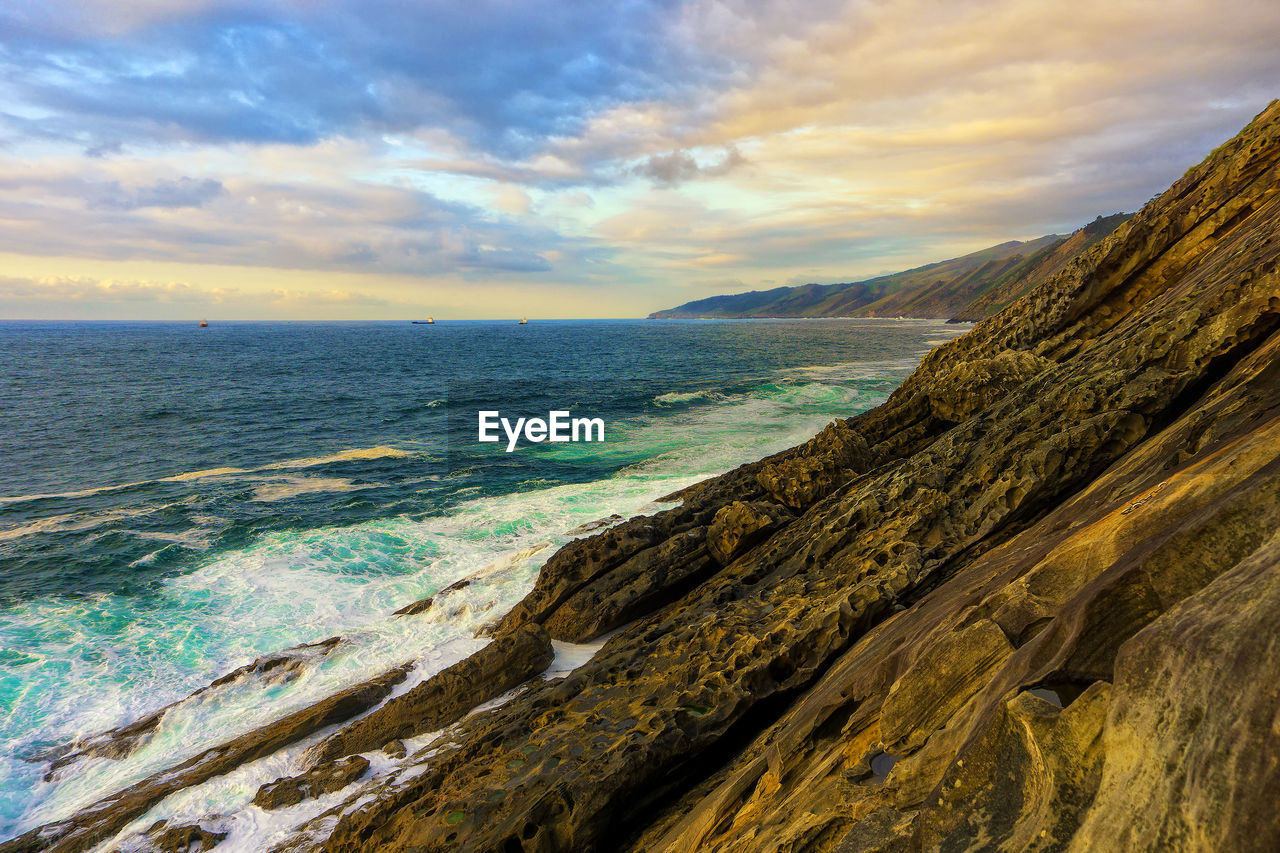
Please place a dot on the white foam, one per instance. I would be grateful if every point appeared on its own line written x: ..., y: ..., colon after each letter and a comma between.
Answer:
x: 360, y: 453
x: 280, y: 488
x: 687, y: 397
x: 570, y: 656
x: 380, y: 452
x: 102, y: 661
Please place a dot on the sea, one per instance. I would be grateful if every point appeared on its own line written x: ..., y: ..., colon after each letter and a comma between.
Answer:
x: 176, y: 501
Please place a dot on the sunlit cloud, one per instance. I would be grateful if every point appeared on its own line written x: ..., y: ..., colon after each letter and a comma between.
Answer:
x: 613, y: 158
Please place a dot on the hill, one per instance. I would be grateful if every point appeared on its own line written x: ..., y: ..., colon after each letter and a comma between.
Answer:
x: 975, y: 283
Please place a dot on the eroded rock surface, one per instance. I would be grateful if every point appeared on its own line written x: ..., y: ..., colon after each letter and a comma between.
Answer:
x: 996, y: 533
x: 740, y: 525
x: 1029, y: 603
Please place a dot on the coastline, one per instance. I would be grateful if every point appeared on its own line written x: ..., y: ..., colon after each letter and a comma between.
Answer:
x: 961, y: 616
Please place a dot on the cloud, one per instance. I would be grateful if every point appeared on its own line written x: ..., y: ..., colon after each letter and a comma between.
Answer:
x: 502, y: 75
x: 103, y: 211
x: 183, y: 192
x: 676, y: 167
x: 17, y: 290
x: 89, y: 291
x: 309, y: 298
x: 626, y: 147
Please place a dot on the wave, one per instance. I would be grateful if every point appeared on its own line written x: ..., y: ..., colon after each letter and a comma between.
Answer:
x: 675, y: 397
x: 356, y: 454
x: 75, y: 522
x: 98, y: 662
x: 381, y: 452
x: 280, y: 488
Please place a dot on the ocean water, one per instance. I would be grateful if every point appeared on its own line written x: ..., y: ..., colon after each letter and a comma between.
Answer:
x: 176, y: 501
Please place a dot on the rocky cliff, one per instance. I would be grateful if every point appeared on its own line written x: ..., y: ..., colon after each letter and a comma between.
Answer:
x: 1032, y: 602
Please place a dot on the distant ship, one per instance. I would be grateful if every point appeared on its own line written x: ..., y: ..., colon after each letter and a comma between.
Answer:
x: 430, y: 321
x: 204, y: 324
x: 524, y: 321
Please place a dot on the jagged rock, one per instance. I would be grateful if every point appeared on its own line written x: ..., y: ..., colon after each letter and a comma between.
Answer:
x: 1157, y: 346
x: 740, y: 525
x: 317, y: 782
x: 828, y: 460
x: 1073, y: 505
x: 109, y: 815
x: 583, y: 562
x: 395, y: 749
x: 971, y: 386
x: 445, y: 697
x: 639, y: 585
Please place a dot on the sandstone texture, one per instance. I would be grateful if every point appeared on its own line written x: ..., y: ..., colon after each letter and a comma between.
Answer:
x: 1031, y: 603
x: 973, y: 596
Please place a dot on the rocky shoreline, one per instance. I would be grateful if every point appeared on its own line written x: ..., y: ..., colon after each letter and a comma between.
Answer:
x: 1030, y: 603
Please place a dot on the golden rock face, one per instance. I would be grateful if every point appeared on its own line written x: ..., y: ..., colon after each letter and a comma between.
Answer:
x: 1029, y: 603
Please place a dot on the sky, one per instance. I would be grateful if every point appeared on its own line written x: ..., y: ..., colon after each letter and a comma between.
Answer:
x: 385, y: 159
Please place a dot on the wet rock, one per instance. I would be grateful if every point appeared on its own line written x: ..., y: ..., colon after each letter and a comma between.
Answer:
x: 445, y: 697
x: 317, y: 782
x: 108, y: 816
x: 740, y: 525
x: 424, y: 604
x: 183, y: 838
x: 280, y: 667
x: 121, y: 742
x: 395, y: 749
x: 595, y: 525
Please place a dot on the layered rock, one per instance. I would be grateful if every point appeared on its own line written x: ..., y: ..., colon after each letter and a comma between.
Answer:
x: 164, y: 837
x: 445, y: 697
x: 940, y: 597
x: 1027, y: 604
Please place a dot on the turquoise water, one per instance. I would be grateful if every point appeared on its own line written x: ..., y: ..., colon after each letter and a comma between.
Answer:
x: 176, y: 501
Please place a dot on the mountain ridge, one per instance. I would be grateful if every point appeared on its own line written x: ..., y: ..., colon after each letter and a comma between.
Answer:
x: 941, y: 290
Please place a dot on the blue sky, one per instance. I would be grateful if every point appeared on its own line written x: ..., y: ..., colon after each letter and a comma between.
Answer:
x: 380, y: 160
